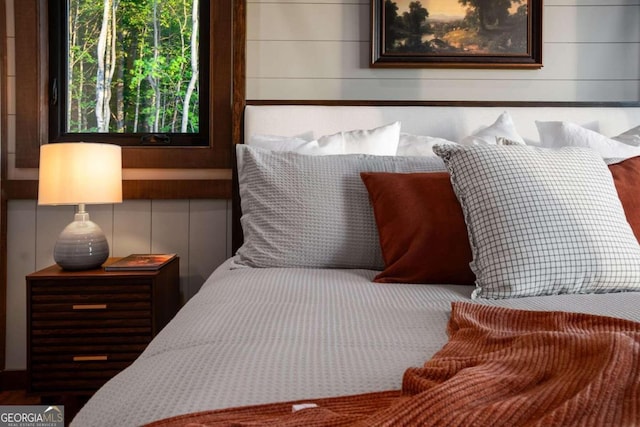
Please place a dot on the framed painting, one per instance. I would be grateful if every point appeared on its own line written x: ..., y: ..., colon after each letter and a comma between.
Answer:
x: 456, y: 33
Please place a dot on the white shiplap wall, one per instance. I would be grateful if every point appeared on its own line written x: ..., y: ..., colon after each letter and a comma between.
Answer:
x: 318, y: 49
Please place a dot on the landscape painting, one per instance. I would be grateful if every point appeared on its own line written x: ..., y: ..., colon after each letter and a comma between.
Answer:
x: 457, y: 33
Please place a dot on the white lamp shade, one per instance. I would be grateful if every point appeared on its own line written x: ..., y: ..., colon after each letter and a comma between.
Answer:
x: 80, y: 172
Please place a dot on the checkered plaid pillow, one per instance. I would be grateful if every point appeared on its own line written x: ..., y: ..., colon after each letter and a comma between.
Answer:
x: 312, y: 211
x: 542, y: 222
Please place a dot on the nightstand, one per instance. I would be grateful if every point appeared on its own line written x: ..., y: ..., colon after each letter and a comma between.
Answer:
x: 86, y: 326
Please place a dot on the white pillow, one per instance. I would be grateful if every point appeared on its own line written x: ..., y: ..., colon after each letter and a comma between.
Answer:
x: 542, y: 222
x: 556, y: 134
x: 294, y: 144
x: 503, y: 127
x: 381, y: 141
x: 630, y: 137
x: 312, y: 211
x: 418, y: 145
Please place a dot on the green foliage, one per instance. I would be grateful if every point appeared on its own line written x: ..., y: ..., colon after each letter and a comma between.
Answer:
x: 489, y: 13
x: 406, y: 33
x: 392, y: 24
x: 135, y: 63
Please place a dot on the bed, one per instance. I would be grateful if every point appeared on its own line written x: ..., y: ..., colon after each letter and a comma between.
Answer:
x: 333, y: 294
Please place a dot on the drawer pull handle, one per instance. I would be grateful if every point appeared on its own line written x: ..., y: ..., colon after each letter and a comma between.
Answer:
x: 90, y: 358
x: 89, y: 306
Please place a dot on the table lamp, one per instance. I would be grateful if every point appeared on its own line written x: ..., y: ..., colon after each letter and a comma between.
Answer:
x: 80, y: 173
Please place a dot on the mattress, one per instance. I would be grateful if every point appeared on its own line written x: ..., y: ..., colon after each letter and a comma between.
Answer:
x: 255, y: 336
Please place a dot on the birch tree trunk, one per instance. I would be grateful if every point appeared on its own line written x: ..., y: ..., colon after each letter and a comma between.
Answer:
x: 102, y: 119
x: 120, y: 62
x: 138, y: 98
x: 106, y: 64
x: 111, y: 61
x: 82, y: 121
x: 194, y: 66
x: 152, y: 78
x: 73, y: 40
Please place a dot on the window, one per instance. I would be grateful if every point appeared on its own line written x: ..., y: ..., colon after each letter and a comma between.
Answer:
x: 36, y: 121
x: 129, y: 71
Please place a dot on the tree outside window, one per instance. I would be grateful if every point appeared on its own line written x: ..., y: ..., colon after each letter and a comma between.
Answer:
x: 131, y: 69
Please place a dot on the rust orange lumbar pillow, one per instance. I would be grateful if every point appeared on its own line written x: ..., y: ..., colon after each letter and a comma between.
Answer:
x: 423, y: 236
x: 626, y: 176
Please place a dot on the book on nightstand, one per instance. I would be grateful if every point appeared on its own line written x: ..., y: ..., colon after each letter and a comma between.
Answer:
x: 140, y: 262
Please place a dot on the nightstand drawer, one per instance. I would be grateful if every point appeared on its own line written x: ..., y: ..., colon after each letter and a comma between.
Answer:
x: 74, y: 364
x: 81, y: 355
x: 93, y: 311
x: 87, y: 353
x: 85, y: 292
x: 96, y: 309
x: 75, y: 344
x: 105, y: 327
x: 78, y: 348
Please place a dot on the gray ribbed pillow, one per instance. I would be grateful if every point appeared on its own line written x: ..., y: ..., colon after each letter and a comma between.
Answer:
x: 312, y: 211
x: 542, y: 222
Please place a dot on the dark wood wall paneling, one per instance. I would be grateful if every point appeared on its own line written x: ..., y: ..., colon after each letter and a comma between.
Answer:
x: 3, y: 199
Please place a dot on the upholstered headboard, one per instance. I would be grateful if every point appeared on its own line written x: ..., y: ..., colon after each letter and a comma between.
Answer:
x: 451, y: 121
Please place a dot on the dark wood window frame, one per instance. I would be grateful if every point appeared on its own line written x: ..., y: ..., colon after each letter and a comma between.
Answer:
x: 226, y: 63
x: 58, y: 23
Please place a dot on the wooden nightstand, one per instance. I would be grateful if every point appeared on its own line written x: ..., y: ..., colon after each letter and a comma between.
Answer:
x: 86, y: 326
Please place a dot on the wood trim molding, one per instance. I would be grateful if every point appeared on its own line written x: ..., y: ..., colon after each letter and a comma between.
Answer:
x: 177, y: 189
x: 3, y: 279
x: 239, y: 70
x: 139, y: 189
x: 3, y: 176
x: 239, y: 96
x: 29, y: 105
x: 14, y: 189
x: 409, y: 103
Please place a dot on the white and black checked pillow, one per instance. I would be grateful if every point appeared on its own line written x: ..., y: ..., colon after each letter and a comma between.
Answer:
x: 312, y: 211
x: 542, y: 222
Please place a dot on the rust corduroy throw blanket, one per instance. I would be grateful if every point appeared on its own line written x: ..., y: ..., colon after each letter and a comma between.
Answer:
x: 501, y: 367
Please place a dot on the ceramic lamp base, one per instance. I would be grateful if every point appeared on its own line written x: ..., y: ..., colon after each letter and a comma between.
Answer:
x: 82, y: 245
